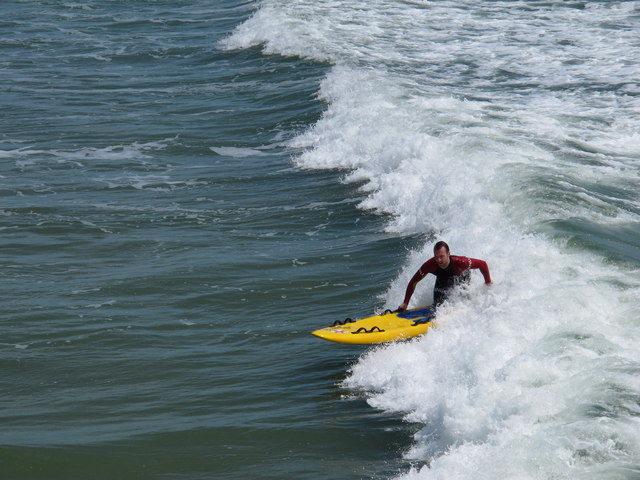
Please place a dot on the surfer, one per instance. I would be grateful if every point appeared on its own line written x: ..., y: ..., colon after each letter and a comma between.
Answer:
x: 450, y: 270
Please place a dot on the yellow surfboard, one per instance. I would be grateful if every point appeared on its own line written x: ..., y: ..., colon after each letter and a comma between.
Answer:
x: 387, y: 327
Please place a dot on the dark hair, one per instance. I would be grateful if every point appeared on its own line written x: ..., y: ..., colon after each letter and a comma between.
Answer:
x: 439, y: 245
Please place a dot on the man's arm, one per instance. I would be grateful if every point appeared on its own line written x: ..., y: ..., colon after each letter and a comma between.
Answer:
x: 483, y: 267
x: 427, y: 267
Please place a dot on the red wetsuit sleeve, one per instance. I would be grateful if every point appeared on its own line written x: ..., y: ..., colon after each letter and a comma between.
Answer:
x: 427, y: 267
x: 466, y: 263
x: 484, y: 268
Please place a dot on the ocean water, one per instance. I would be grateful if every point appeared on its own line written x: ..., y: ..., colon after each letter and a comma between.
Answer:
x: 189, y: 188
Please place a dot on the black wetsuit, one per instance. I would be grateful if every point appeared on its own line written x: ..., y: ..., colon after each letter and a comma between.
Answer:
x: 446, y: 279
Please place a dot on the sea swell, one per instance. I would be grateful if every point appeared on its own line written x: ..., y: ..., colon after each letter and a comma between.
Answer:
x: 497, y: 135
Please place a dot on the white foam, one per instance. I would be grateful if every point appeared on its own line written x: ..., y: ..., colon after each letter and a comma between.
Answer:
x: 27, y: 156
x: 237, y: 152
x: 481, y: 123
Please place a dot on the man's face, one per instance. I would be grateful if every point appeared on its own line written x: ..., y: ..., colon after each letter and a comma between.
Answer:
x: 442, y: 257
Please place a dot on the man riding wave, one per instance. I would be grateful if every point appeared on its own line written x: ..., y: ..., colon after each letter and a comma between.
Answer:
x: 450, y: 270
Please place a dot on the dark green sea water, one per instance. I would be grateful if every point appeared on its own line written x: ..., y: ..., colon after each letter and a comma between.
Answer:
x: 157, y: 293
x: 189, y: 188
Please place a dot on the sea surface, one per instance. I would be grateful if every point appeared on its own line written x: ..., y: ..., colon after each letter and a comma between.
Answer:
x: 188, y: 188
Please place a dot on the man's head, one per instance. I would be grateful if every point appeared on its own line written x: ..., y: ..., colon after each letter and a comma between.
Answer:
x: 441, y: 254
